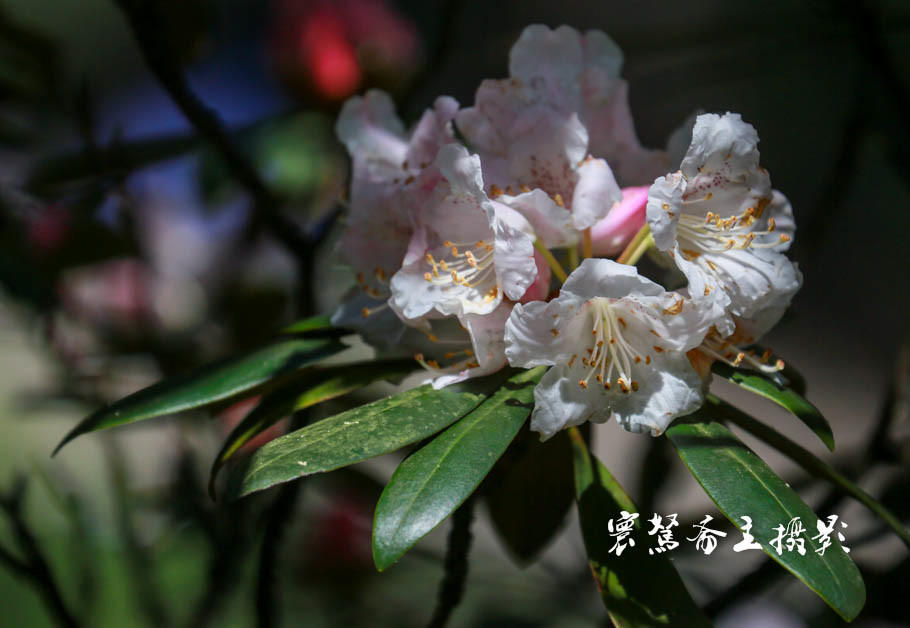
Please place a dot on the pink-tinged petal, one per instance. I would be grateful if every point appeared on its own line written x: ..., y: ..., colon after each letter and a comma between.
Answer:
x: 552, y: 224
x: 610, y: 235
x: 555, y: 57
x: 596, y: 193
x: 373, y: 134
x: 544, y: 151
x: 540, y: 288
x: 431, y: 133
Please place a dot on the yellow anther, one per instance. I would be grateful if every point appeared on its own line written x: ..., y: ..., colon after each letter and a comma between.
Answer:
x: 557, y: 198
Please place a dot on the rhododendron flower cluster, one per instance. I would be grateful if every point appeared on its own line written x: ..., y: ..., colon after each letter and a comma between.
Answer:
x: 479, y: 239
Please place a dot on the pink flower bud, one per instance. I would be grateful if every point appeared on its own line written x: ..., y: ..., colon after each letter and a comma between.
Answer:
x: 610, y: 235
x: 540, y: 287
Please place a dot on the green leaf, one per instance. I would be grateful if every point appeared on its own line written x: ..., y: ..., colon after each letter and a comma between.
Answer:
x: 209, y: 384
x: 315, y: 387
x: 811, y: 463
x: 529, y: 493
x: 312, y: 326
x: 785, y: 397
x: 640, y: 590
x: 430, y: 484
x: 360, y: 433
x: 740, y: 483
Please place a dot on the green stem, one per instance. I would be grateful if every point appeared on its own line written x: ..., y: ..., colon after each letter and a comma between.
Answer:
x: 551, y: 261
x: 642, y: 241
x: 573, y: 256
x: 808, y: 461
x: 587, y: 245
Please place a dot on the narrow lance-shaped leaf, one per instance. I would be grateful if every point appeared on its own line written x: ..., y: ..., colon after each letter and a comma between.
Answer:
x: 360, y: 433
x: 741, y: 484
x: 209, y: 384
x: 640, y: 590
x: 785, y: 397
x: 810, y: 462
x: 317, y: 386
x: 430, y: 484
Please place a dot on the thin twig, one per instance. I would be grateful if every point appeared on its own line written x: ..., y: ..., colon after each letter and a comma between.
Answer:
x: 145, y: 22
x: 278, y: 516
x: 456, y: 565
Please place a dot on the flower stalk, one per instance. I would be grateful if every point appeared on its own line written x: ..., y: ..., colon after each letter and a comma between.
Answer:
x: 642, y: 241
x: 552, y: 262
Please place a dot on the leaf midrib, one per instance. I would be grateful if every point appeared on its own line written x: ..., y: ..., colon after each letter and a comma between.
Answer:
x: 334, y: 425
x: 484, y: 412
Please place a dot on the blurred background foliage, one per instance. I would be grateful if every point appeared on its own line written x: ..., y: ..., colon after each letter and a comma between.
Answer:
x: 130, y: 250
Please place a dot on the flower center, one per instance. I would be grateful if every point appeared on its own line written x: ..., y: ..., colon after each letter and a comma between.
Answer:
x: 609, y: 352
x: 714, y: 234
x: 378, y: 289
x: 464, y: 264
x: 456, y: 361
x: 721, y: 349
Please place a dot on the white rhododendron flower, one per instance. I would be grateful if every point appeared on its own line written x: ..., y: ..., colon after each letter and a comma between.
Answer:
x: 580, y: 73
x: 485, y: 355
x: 718, y: 219
x: 617, y: 342
x: 535, y: 156
x: 455, y: 231
x: 385, y: 165
x: 467, y: 252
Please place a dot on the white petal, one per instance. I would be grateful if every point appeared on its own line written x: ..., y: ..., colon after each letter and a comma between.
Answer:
x: 719, y: 143
x: 595, y: 193
x: 606, y: 278
x: 513, y: 258
x: 780, y: 210
x: 543, y: 333
x: 670, y: 388
x: 551, y: 223
x: 664, y: 208
x: 559, y: 403
x: 431, y: 133
x: 486, y: 333
x: 753, y: 279
x: 462, y: 170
